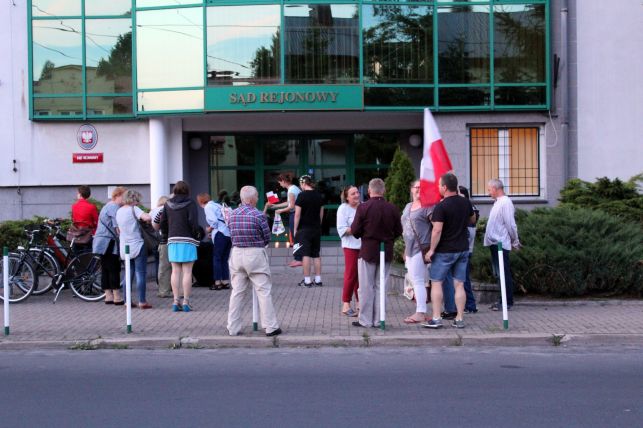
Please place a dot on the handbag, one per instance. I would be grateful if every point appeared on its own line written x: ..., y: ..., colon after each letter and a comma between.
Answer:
x: 149, y: 235
x: 111, y: 232
x: 198, y: 233
x: 423, y: 248
x: 79, y: 235
x: 278, y: 226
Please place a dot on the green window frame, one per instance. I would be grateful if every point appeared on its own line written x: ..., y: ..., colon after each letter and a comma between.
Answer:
x: 501, y: 91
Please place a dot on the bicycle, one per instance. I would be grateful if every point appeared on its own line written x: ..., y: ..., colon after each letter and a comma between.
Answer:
x: 58, y: 266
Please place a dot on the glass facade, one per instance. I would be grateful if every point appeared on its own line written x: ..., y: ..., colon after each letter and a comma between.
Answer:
x: 171, y: 56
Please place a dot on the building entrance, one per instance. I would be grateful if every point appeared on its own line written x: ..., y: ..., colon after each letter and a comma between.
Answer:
x: 333, y: 160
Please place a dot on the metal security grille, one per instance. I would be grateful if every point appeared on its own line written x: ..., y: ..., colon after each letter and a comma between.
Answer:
x: 510, y: 154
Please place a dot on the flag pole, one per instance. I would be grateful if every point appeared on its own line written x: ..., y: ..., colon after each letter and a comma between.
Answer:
x: 503, y: 287
x: 382, y: 289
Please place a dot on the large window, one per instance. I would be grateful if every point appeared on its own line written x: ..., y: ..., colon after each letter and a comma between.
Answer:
x: 193, y: 55
x: 81, y: 63
x: 510, y: 154
x: 243, y: 45
x: 322, y: 43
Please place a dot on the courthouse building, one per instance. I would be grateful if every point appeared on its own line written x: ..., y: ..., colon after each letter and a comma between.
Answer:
x: 224, y: 93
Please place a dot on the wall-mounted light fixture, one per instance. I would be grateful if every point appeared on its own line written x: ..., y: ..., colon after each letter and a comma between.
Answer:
x: 196, y: 143
x: 415, y: 140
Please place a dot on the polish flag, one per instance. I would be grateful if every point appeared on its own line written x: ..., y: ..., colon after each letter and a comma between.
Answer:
x: 435, y: 162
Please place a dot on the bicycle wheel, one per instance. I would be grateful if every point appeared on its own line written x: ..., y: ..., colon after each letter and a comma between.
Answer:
x: 21, y: 279
x: 84, y: 277
x: 46, y: 267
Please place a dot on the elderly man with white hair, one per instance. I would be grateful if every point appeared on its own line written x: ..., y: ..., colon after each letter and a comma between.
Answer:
x: 501, y: 228
x: 249, y: 263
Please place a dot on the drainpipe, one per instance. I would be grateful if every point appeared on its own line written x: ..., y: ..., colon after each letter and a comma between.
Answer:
x: 564, y: 89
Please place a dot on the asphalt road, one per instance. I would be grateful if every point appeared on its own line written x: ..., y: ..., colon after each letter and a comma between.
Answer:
x: 376, y: 387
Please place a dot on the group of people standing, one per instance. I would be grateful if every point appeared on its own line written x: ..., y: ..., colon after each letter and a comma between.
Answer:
x: 438, y: 242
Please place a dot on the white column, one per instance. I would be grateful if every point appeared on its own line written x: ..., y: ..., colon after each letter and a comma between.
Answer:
x: 158, y: 160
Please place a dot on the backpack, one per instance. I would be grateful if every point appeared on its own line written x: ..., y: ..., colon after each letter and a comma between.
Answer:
x: 226, y: 211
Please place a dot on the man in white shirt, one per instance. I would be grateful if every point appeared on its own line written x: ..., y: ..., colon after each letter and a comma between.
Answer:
x: 501, y: 228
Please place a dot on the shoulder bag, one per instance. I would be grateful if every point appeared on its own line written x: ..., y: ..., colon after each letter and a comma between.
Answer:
x: 423, y: 248
x: 79, y: 235
x: 150, y: 236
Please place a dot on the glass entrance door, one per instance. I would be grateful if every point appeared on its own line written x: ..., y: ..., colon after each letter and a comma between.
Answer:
x: 332, y: 160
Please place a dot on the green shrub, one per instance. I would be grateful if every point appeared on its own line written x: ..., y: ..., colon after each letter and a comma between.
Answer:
x: 616, y: 197
x: 398, y: 250
x: 12, y: 232
x: 399, y: 179
x: 574, y: 252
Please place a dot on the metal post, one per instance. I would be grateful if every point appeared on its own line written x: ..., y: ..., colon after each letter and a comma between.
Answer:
x: 255, y: 310
x: 503, y: 289
x: 128, y: 289
x: 5, y: 283
x: 382, y: 289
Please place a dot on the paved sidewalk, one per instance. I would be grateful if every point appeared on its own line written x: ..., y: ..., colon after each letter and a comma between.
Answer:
x: 311, y: 317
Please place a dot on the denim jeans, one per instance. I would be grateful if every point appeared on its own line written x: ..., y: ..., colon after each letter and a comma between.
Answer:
x: 138, y: 271
x: 509, y: 284
x: 470, y: 305
x: 448, y: 294
x: 220, y: 257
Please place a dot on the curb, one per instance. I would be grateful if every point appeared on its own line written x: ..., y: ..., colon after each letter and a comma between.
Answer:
x: 256, y: 342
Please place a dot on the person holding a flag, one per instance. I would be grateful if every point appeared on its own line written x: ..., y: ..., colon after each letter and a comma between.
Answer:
x: 449, y: 250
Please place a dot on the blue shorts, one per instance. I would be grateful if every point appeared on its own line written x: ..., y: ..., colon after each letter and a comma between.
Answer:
x: 445, y: 262
x: 181, y: 252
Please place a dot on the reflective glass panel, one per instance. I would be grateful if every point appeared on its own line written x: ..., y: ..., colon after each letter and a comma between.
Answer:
x: 105, y: 106
x: 375, y: 148
x: 330, y: 182
x: 232, y: 151
x: 109, y: 55
x: 231, y: 181
x: 398, y: 97
x: 327, y: 151
x: 170, y: 100
x: 322, y: 43
x: 517, y: 95
x: 398, y: 43
x: 169, y: 48
x: 519, y: 43
x: 465, y: 97
x: 55, y: 8
x: 71, y: 107
x: 155, y: 3
x: 363, y: 176
x: 57, y: 57
x: 329, y: 222
x: 280, y: 151
x: 463, y: 44
x: 111, y: 7
x: 243, y: 45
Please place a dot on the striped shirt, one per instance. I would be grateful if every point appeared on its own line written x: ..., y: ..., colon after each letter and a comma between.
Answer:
x: 501, y: 226
x: 249, y: 227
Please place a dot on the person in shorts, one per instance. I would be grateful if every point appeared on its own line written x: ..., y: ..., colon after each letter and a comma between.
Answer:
x: 309, y: 211
x: 449, y: 250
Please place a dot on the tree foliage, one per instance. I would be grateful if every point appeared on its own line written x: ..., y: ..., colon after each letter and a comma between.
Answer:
x: 398, y: 182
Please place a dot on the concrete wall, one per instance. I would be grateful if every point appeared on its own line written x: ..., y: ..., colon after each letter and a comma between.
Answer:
x: 610, y: 88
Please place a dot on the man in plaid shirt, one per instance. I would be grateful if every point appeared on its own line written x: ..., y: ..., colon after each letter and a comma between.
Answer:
x: 249, y: 263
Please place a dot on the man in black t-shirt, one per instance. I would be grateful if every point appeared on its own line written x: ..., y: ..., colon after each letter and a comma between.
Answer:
x: 449, y: 248
x: 309, y: 211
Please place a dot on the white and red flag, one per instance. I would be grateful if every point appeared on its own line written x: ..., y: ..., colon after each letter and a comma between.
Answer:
x: 435, y: 162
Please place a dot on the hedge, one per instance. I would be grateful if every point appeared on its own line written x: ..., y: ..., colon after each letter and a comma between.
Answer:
x: 572, y: 252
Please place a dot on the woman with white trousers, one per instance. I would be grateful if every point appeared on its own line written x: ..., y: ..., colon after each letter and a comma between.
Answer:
x: 416, y: 225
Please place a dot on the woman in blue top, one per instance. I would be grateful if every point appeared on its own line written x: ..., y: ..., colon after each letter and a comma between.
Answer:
x: 217, y: 226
